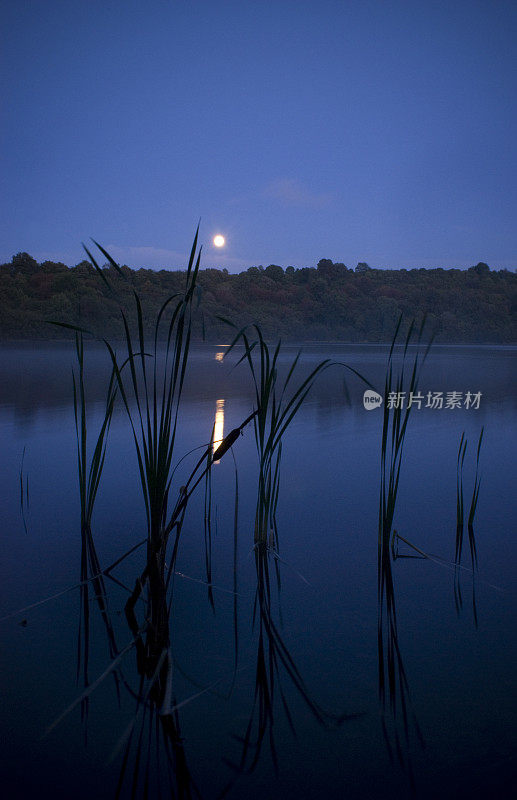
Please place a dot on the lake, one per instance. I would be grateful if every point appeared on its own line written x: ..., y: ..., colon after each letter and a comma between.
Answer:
x: 295, y: 711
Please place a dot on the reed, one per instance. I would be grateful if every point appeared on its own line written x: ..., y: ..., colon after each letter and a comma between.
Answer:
x: 151, y: 395
x: 462, y: 449
x: 90, y: 468
x: 475, y: 496
x: 277, y: 402
x: 276, y: 407
x: 460, y: 524
x: 151, y: 392
x: 149, y: 384
x: 393, y: 681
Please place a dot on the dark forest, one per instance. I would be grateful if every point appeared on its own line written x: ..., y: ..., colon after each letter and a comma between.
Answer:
x: 328, y: 302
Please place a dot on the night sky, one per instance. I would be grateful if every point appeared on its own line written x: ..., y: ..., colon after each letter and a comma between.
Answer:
x: 356, y: 130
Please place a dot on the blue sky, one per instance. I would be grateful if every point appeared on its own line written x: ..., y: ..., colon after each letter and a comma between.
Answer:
x: 375, y: 130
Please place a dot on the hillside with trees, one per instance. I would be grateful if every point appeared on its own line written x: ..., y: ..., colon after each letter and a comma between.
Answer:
x: 327, y: 302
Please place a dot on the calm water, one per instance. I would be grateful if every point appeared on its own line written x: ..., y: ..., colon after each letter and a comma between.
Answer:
x: 461, y: 734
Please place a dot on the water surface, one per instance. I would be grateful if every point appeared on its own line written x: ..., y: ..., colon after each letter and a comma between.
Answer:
x: 462, y: 695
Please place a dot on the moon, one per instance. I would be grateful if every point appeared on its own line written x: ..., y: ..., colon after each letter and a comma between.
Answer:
x: 219, y: 240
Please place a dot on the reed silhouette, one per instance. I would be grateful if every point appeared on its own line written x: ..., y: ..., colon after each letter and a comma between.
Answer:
x: 400, y: 725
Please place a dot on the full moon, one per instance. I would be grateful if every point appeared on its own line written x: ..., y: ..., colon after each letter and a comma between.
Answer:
x: 219, y: 240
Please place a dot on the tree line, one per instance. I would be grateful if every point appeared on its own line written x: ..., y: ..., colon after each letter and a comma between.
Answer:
x: 328, y: 302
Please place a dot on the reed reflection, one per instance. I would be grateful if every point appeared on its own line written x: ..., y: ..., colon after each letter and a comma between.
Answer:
x: 276, y: 671
x: 277, y: 402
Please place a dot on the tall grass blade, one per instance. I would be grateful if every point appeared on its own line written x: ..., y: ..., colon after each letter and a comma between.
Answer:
x: 393, y: 682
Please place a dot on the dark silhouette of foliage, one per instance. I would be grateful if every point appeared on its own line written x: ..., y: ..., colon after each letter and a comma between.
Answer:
x: 327, y: 302
x: 480, y: 269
